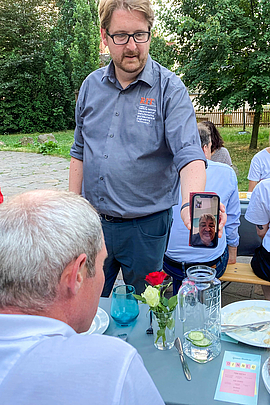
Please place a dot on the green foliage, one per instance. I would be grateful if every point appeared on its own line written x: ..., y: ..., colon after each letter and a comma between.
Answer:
x: 161, y: 51
x: 84, y: 50
x: 223, y: 50
x: 41, y: 50
x: 48, y: 148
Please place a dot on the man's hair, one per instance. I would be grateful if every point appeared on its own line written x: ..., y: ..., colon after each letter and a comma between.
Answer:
x: 41, y: 232
x: 217, y: 141
x: 207, y: 217
x: 204, y: 133
x: 107, y: 7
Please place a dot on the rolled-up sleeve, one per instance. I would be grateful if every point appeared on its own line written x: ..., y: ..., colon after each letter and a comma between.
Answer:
x: 76, y: 150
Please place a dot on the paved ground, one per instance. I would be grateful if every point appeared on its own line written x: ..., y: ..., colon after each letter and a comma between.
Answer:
x: 20, y: 172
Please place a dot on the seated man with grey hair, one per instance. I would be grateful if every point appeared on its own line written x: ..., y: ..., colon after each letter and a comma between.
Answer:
x: 51, y: 276
x: 221, y: 179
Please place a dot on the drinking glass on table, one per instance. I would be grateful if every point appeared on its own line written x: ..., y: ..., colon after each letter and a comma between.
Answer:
x: 124, y: 306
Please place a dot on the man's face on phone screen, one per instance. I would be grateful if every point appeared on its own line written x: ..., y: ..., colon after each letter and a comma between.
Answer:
x: 207, y: 227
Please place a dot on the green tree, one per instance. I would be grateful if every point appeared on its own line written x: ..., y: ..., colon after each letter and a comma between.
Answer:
x: 21, y: 59
x: 84, y: 49
x: 161, y: 51
x: 223, y: 51
x: 43, y: 46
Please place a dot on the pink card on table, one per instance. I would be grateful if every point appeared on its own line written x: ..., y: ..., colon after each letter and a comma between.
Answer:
x: 239, y: 378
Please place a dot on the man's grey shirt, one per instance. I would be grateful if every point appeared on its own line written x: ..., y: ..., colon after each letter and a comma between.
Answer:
x: 134, y: 142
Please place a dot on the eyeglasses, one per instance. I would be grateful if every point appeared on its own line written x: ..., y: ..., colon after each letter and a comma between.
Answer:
x: 122, y: 39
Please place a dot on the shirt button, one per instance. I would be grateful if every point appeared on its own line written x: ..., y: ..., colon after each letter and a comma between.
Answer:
x: 106, y: 156
x: 117, y: 113
x: 101, y: 178
x: 101, y: 199
x: 111, y: 135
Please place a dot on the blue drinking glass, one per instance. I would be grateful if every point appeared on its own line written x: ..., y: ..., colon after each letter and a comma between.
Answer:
x: 124, y: 306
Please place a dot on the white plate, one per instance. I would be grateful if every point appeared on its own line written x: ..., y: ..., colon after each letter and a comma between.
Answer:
x: 243, y: 312
x: 99, y: 324
x: 266, y: 376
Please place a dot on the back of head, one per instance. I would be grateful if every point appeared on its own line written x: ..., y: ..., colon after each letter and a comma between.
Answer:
x: 107, y: 7
x: 41, y: 232
x: 205, y: 134
x: 217, y: 141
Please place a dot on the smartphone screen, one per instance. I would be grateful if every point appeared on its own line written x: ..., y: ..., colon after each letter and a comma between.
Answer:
x: 204, y: 220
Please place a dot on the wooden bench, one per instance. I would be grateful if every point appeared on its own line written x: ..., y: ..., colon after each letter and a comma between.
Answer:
x: 242, y: 273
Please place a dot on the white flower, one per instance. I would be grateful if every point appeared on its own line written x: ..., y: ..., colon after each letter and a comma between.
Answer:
x: 151, y: 295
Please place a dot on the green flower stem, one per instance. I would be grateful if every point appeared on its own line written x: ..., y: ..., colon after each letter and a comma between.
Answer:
x: 164, y: 320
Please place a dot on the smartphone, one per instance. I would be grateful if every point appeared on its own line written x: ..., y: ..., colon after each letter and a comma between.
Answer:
x: 204, y: 220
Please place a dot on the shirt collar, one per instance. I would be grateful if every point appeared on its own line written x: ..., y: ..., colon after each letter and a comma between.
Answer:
x: 146, y: 74
x: 24, y: 326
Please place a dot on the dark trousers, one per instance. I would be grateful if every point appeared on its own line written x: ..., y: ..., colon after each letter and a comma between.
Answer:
x: 177, y: 270
x: 260, y: 263
x: 137, y: 247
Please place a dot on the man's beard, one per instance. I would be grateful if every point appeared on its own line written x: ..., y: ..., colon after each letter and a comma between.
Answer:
x: 138, y: 64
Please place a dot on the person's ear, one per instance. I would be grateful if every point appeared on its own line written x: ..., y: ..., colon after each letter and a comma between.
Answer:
x: 104, y: 36
x: 74, y: 274
x: 205, y: 150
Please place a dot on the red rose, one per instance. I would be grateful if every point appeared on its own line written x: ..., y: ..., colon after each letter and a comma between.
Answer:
x: 156, y: 277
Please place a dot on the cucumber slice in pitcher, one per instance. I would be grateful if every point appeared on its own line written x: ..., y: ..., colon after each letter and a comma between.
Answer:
x: 195, y: 335
x: 202, y: 343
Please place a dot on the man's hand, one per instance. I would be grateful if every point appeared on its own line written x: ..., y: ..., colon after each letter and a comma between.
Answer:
x: 222, y: 219
x: 185, y: 215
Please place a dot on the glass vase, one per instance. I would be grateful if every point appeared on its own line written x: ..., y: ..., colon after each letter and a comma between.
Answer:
x: 164, y: 329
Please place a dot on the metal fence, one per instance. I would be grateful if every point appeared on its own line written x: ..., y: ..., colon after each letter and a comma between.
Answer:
x: 233, y: 118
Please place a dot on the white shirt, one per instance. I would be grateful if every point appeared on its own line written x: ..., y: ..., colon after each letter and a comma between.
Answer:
x: 258, y: 211
x: 260, y: 166
x: 221, y: 179
x: 43, y: 361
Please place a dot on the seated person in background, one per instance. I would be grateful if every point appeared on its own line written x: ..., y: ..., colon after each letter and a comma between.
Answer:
x: 259, y: 168
x: 51, y: 277
x: 207, y: 228
x: 218, y: 152
x: 221, y: 179
x: 258, y: 213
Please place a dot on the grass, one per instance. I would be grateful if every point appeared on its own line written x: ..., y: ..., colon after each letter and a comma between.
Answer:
x: 237, y: 144
x: 64, y: 142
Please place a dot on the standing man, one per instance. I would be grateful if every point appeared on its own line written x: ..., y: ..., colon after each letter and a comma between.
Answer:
x: 135, y: 133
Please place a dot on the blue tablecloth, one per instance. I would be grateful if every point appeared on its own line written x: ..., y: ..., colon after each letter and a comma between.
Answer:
x: 166, y: 370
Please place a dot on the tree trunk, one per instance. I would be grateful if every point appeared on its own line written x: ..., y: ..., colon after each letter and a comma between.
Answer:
x: 255, y: 130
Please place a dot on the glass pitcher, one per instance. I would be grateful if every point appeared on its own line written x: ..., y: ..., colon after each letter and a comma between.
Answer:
x: 199, y: 304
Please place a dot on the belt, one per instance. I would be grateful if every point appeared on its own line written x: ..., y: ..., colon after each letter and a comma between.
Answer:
x: 115, y: 220
x: 184, y: 266
x: 118, y: 220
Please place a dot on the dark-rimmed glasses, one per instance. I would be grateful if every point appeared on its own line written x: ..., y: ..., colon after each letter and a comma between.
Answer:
x: 122, y: 39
